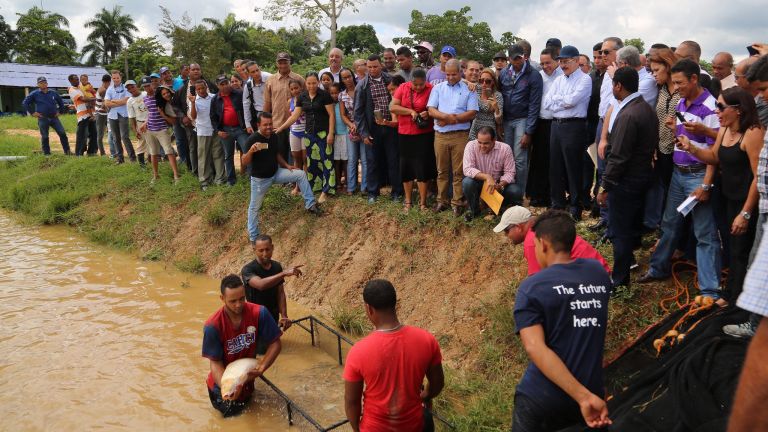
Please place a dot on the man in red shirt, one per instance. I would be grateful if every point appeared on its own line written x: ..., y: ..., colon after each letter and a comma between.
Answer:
x: 228, y: 122
x: 232, y: 333
x: 387, y: 369
x: 516, y: 223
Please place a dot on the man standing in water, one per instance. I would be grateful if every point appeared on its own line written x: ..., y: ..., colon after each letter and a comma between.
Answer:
x: 232, y: 333
x: 390, y: 364
x: 264, y: 280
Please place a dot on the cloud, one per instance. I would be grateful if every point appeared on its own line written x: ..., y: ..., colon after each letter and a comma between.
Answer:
x: 716, y: 25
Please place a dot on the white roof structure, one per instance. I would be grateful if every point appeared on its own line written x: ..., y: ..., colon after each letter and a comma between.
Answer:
x: 25, y: 75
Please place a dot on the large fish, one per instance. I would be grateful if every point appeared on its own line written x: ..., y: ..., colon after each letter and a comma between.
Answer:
x: 235, y: 374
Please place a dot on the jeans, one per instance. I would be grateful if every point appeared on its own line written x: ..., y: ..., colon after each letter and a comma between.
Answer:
x: 86, y: 130
x: 101, y: 130
x: 625, y: 206
x: 383, y: 157
x: 260, y: 186
x: 566, y: 158
x: 355, y: 151
x: 234, y: 133
x: 43, y: 123
x: 528, y: 416
x: 513, y: 194
x: 513, y: 132
x: 600, y: 168
x: 121, y: 132
x: 708, y: 243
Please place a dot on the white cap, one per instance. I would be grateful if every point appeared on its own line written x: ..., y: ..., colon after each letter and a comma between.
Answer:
x: 513, y: 216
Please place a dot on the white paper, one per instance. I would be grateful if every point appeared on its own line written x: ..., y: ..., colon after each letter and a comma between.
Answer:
x: 687, y: 205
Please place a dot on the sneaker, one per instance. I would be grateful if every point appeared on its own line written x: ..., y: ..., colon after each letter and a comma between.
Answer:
x: 742, y: 331
x: 371, y: 200
x: 204, y: 188
x: 315, y: 210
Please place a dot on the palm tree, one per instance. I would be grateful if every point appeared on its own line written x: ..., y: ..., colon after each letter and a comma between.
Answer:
x: 110, y: 30
x: 233, y: 31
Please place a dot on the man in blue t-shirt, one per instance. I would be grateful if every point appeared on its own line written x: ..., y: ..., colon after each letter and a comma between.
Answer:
x: 561, y: 314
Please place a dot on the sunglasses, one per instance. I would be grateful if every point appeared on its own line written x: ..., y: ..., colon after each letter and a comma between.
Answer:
x: 486, y: 81
x: 721, y: 106
x: 605, y: 52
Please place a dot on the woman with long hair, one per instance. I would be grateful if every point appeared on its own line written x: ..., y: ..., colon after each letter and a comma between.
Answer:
x: 736, y: 151
x: 491, y: 104
x: 417, y: 154
x: 317, y: 107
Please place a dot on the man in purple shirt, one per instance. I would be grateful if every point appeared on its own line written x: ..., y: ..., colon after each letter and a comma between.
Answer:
x: 489, y: 163
x: 691, y: 177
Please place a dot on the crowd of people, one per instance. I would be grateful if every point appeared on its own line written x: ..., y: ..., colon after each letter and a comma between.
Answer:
x: 646, y: 142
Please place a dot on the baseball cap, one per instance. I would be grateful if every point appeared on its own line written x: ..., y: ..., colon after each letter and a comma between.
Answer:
x: 146, y: 81
x: 516, y: 51
x: 169, y: 88
x: 426, y: 45
x: 41, y: 79
x: 500, y: 55
x: 448, y: 49
x: 568, y: 51
x: 513, y: 216
x: 221, y: 79
x: 554, y: 42
x: 130, y: 82
x: 154, y: 75
x: 164, y: 69
x: 283, y: 56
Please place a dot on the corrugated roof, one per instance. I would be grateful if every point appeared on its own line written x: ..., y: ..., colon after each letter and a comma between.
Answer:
x: 25, y: 75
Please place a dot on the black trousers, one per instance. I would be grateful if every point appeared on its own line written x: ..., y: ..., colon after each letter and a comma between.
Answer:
x: 86, y: 130
x: 227, y: 408
x: 566, y: 163
x: 538, y: 173
x: 740, y: 247
x: 626, y: 205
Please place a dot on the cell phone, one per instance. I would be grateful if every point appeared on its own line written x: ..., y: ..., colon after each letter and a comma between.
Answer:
x: 752, y: 51
x: 680, y: 116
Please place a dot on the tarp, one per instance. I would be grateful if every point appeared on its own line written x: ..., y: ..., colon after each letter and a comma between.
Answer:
x: 25, y: 75
x: 689, y: 387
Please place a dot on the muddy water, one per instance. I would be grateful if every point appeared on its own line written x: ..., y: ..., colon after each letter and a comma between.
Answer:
x: 93, y: 339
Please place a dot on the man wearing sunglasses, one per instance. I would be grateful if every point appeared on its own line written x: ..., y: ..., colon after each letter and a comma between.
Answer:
x: 522, y: 87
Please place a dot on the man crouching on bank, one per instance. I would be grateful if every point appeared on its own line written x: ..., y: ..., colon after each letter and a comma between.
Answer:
x: 232, y: 333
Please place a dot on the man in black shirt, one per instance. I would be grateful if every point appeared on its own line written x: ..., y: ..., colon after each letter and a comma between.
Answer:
x: 632, y: 138
x: 263, y: 279
x: 267, y: 166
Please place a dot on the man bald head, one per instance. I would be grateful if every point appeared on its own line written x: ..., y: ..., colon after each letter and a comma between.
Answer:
x: 453, y: 71
x: 722, y: 65
x: 741, y: 74
x: 690, y: 50
x: 335, y: 56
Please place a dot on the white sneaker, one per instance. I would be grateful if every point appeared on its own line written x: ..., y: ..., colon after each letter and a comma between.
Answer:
x: 743, y: 330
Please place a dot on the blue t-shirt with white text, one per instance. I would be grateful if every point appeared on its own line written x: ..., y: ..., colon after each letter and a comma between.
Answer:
x: 570, y: 301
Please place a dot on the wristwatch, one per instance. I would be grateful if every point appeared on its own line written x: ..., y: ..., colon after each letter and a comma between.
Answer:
x: 746, y: 215
x: 707, y: 187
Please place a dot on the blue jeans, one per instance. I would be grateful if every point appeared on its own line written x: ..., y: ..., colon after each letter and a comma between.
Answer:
x: 704, y: 228
x: 513, y: 194
x: 234, y: 133
x: 43, y: 123
x: 260, y: 186
x: 513, y: 132
x: 355, y: 151
x: 600, y: 168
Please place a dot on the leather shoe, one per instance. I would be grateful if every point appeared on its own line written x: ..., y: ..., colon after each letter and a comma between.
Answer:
x: 647, y: 278
x: 440, y: 207
x: 456, y: 211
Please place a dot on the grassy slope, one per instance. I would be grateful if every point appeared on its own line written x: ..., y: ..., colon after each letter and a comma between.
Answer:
x: 116, y: 206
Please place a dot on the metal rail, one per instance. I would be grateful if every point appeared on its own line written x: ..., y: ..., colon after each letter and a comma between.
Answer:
x: 291, y: 406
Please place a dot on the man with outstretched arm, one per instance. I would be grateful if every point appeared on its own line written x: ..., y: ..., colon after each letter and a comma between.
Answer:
x: 561, y: 314
x: 232, y: 333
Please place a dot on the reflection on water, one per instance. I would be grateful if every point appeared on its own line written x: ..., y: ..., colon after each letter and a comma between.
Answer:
x: 93, y: 339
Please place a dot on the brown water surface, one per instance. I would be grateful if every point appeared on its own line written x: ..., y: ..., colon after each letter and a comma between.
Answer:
x: 94, y: 339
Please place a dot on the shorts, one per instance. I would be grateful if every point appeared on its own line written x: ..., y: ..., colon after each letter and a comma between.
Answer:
x: 296, y: 144
x: 157, y: 139
x: 340, y: 144
x: 141, y: 144
x: 228, y: 408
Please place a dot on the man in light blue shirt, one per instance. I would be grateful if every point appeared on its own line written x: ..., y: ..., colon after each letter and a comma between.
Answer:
x: 568, y: 100
x: 115, y: 99
x: 453, y: 107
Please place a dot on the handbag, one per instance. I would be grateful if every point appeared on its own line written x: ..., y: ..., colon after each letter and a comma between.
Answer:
x: 420, y: 121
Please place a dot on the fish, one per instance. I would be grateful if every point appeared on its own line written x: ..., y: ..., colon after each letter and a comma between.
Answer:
x: 235, y: 374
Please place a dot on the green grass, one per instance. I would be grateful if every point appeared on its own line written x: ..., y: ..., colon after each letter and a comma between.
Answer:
x: 17, y: 145
x: 350, y: 319
x: 28, y: 122
x: 193, y: 264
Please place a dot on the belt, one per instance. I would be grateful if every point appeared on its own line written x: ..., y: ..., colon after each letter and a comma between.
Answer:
x: 453, y: 132
x: 569, y: 119
x: 691, y: 168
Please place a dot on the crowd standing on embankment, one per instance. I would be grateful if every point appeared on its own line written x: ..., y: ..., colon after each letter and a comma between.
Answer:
x: 676, y: 152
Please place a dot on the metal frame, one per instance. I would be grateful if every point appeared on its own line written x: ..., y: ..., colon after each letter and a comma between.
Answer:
x: 291, y: 406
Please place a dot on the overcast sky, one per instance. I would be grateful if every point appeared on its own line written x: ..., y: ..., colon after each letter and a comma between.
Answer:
x: 717, y: 25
